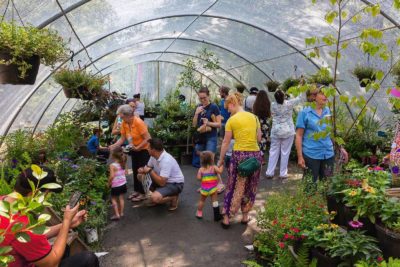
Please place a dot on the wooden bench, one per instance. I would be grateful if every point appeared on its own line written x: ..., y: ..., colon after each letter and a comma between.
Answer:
x: 75, y: 244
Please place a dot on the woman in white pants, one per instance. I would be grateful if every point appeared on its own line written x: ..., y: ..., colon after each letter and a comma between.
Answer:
x: 282, y: 133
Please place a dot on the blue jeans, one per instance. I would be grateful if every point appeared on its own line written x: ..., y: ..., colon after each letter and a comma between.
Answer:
x: 210, y: 145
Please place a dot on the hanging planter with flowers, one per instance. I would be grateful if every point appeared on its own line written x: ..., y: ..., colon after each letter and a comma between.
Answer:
x: 22, y: 49
x: 365, y: 75
x: 80, y: 84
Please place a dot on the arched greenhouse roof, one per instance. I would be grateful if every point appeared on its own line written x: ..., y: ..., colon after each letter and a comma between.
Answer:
x: 142, y: 46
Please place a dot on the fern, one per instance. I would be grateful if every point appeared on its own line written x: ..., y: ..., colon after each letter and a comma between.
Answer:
x: 302, y: 259
x: 251, y: 263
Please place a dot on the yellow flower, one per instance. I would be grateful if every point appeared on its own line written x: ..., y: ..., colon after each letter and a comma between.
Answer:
x: 333, y: 212
x: 334, y: 226
x: 369, y: 189
x: 353, y: 193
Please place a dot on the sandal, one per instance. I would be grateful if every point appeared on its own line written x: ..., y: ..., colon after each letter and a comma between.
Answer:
x: 138, y: 198
x: 115, y: 218
x: 133, y: 195
x: 199, y: 214
x: 174, y: 207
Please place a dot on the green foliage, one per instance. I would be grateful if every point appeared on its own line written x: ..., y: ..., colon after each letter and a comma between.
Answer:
x: 390, y: 263
x: 390, y: 214
x: 251, y: 263
x: 29, y: 206
x: 272, y: 85
x: 65, y: 136
x: 289, y: 83
x: 188, y: 78
x: 25, y: 42
x: 79, y: 79
x: 174, y: 124
x: 364, y: 72
x: 322, y: 76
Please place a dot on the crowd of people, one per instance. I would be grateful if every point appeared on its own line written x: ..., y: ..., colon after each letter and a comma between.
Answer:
x: 249, y: 129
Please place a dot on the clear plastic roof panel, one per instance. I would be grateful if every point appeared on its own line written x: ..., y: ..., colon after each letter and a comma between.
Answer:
x: 142, y: 43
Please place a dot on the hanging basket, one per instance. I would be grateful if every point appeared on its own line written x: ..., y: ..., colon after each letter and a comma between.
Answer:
x: 9, y: 74
x: 80, y: 93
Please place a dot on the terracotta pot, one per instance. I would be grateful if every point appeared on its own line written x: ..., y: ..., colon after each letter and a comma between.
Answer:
x: 389, y: 241
x: 9, y: 74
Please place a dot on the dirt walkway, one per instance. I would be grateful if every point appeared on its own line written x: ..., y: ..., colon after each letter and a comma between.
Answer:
x: 153, y: 236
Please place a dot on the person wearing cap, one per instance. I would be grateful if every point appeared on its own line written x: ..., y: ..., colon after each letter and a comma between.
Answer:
x: 38, y: 251
x: 249, y: 101
x: 139, y: 106
x: 316, y: 154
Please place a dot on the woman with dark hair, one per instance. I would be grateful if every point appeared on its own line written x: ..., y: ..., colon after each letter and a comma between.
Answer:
x: 262, y: 109
x: 282, y: 133
x: 206, y: 119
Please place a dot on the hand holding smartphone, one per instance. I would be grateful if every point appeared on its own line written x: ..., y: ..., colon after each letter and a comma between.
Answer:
x: 74, y: 199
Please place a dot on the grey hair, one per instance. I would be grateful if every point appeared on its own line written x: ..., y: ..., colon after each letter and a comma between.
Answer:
x: 125, y: 110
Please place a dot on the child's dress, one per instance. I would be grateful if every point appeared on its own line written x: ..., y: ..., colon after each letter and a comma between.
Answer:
x: 118, y: 184
x: 209, y: 183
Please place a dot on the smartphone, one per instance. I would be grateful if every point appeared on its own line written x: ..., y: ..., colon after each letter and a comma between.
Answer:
x: 74, y: 199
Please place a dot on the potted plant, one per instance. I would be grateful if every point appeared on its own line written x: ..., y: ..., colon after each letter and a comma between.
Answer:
x: 272, y: 85
x: 322, y: 76
x: 289, y: 82
x: 22, y: 49
x: 80, y: 84
x: 364, y: 74
x: 388, y: 228
x: 364, y: 201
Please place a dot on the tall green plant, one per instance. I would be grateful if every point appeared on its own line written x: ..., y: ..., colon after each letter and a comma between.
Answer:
x: 370, y: 42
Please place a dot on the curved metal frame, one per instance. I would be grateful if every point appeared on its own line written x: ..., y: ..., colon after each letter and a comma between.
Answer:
x: 165, y: 52
x: 78, y: 4
x: 55, y: 96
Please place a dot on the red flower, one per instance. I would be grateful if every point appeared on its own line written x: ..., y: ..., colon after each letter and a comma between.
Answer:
x: 274, y: 222
x: 303, y: 236
x: 379, y: 259
x: 286, y: 236
x: 281, y: 245
x: 296, y: 230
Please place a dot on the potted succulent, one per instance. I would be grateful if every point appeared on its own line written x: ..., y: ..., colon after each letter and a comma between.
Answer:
x: 364, y: 74
x: 80, y: 84
x: 388, y: 228
x: 322, y: 76
x: 289, y: 82
x: 272, y: 85
x: 22, y: 49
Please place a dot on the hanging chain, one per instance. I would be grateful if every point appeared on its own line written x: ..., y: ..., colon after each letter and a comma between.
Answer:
x: 5, y: 11
x: 16, y: 10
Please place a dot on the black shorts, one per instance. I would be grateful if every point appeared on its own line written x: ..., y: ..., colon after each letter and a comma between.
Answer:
x: 116, y: 191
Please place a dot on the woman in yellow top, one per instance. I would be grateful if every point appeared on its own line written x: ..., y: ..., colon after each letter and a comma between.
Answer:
x: 244, y: 127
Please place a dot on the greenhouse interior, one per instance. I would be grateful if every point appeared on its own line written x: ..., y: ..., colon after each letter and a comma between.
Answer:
x: 200, y: 133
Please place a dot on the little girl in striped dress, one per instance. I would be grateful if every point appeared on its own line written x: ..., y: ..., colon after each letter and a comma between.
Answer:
x: 117, y: 182
x: 208, y: 174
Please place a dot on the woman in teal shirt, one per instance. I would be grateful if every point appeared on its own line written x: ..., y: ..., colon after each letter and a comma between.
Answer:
x: 315, y: 153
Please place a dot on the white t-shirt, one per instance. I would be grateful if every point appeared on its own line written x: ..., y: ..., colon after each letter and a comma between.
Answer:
x: 166, y: 166
x: 249, y: 102
x: 140, y: 108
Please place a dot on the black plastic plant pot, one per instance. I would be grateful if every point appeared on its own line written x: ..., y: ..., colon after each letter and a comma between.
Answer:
x: 389, y: 241
x: 335, y: 205
x: 261, y: 259
x: 368, y: 226
x: 324, y: 260
x: 9, y: 74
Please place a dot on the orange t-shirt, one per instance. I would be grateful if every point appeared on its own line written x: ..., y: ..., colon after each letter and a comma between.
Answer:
x: 136, y: 130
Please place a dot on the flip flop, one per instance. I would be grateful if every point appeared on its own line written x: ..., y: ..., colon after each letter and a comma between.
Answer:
x: 172, y: 208
x: 133, y: 195
x: 138, y: 198
x: 115, y: 218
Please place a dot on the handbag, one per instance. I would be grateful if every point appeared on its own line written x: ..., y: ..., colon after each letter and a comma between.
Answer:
x: 248, y: 167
